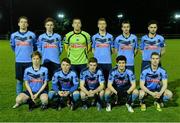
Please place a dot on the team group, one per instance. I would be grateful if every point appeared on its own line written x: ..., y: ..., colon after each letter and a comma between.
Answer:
x: 90, y: 81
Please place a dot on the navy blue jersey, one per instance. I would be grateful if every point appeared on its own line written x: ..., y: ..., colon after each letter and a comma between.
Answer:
x: 65, y: 81
x: 92, y: 80
x: 122, y: 80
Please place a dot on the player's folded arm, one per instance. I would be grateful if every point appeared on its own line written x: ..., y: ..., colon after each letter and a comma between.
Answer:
x: 42, y: 88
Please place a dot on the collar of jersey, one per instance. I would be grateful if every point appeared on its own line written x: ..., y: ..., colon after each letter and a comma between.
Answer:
x: 77, y: 33
x: 126, y: 37
x: 23, y: 33
x: 36, y: 70
x: 152, y: 37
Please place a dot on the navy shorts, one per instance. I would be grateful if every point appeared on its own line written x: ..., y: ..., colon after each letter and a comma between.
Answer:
x: 28, y: 94
x: 52, y: 68
x: 130, y: 68
x: 20, y: 68
x: 144, y: 65
x: 106, y: 68
x: 78, y: 68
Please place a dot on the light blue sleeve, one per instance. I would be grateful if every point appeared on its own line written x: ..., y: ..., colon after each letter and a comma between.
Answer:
x: 93, y: 42
x: 143, y: 76
x: 111, y: 77
x: 142, y: 43
x: 82, y: 76
x: 60, y: 44
x: 26, y: 78
x: 54, y: 83
x: 116, y: 45
x: 12, y: 42
x: 101, y: 76
x: 136, y: 42
x: 39, y: 44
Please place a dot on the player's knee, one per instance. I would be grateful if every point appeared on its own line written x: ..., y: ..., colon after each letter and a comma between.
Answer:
x: 83, y: 95
x: 51, y: 94
x: 141, y: 94
x: 76, y: 95
x: 136, y: 92
x: 107, y: 91
x: 44, y: 98
x: 167, y: 95
x: 101, y: 94
x: 19, y: 99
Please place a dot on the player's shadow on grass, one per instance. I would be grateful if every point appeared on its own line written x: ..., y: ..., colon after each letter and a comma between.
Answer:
x: 172, y: 86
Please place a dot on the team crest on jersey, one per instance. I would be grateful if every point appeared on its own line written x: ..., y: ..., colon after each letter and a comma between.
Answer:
x: 105, y: 40
x: 77, y: 39
x: 21, y: 38
x: 30, y: 37
x: 56, y: 40
x: 41, y: 75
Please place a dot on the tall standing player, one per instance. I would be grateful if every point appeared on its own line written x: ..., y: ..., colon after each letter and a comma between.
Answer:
x: 49, y: 45
x: 22, y: 42
x: 102, y: 47
x: 126, y: 44
x: 152, y: 42
x: 77, y: 45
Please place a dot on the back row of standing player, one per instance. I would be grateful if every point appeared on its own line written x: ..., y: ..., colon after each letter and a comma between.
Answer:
x: 78, y: 43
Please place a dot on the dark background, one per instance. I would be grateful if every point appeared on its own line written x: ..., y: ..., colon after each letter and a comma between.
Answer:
x: 139, y: 12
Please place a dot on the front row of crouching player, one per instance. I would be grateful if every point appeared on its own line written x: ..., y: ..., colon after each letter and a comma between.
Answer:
x: 121, y: 86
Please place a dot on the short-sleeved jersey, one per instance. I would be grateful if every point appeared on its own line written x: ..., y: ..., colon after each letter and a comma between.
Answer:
x: 36, y: 79
x: 121, y: 81
x: 23, y: 45
x: 149, y: 45
x: 92, y: 80
x: 153, y: 79
x: 77, y: 47
x: 65, y: 81
x: 102, y: 47
x: 126, y: 46
x: 50, y: 47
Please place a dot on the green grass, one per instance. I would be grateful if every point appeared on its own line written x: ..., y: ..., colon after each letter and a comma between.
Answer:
x: 170, y: 61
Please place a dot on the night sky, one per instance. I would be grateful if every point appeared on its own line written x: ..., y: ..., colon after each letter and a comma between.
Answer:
x: 139, y: 12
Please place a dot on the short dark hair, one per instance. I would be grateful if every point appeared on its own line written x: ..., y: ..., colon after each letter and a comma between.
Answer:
x: 126, y: 22
x: 121, y: 58
x: 93, y: 59
x: 76, y: 18
x: 155, y: 53
x: 101, y: 19
x: 36, y: 53
x: 49, y: 19
x: 67, y: 60
x: 22, y: 17
x: 152, y: 22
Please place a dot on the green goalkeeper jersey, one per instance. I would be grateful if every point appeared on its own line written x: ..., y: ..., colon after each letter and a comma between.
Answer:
x: 77, y: 47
